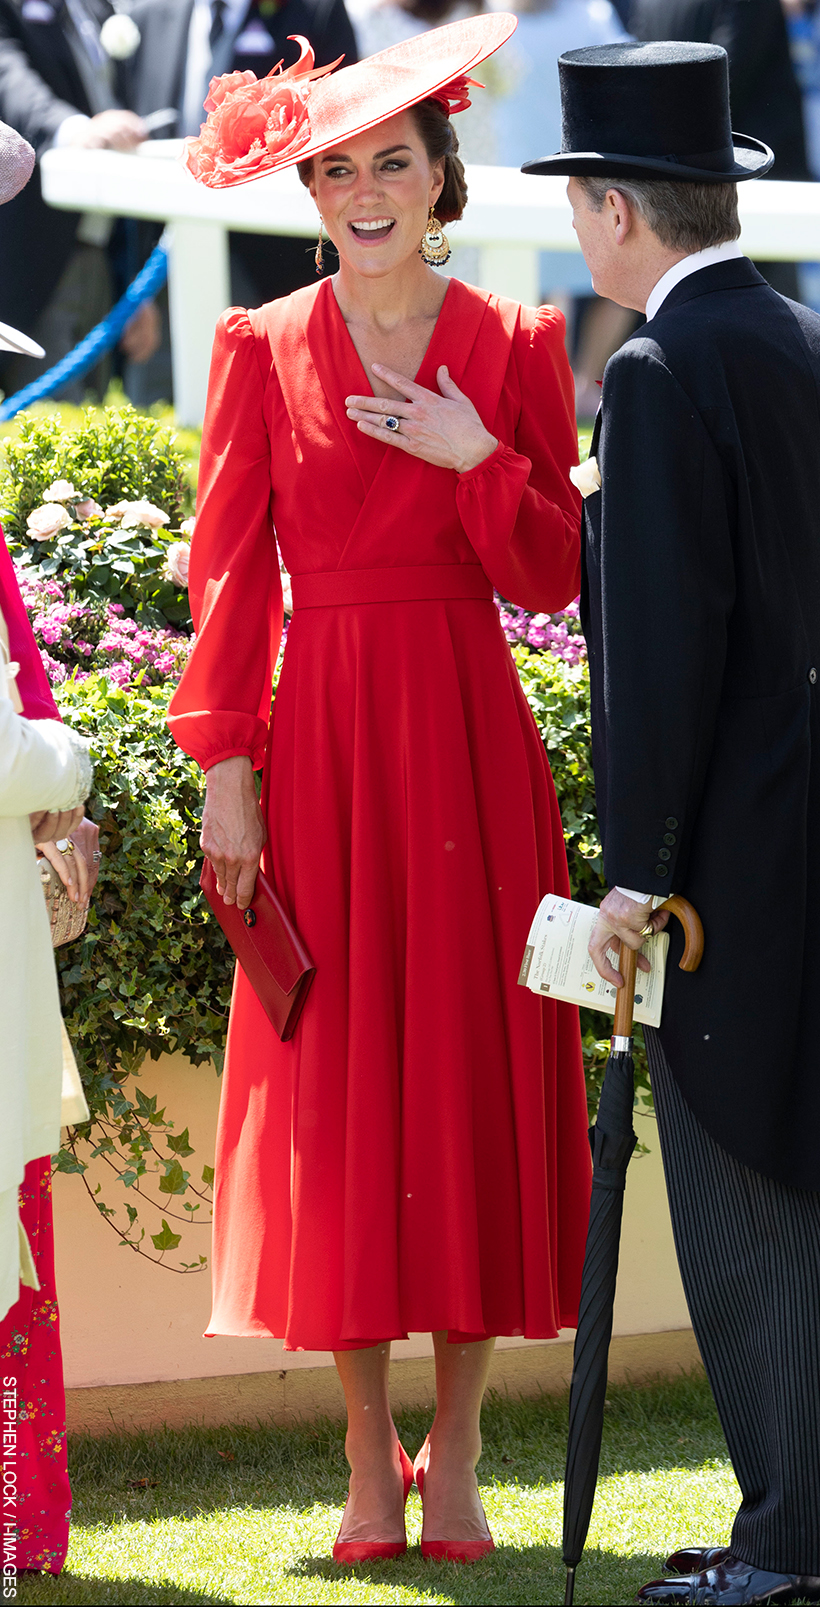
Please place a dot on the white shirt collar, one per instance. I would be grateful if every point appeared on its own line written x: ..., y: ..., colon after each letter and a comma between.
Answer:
x: 681, y: 270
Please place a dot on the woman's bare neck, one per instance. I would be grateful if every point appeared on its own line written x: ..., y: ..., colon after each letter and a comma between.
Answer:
x: 390, y: 320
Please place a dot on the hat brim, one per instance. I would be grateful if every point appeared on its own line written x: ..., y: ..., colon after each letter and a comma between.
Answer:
x: 752, y: 160
x: 354, y: 99
x: 13, y: 340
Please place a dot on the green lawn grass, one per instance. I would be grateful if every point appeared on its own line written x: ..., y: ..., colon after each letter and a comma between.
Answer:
x: 249, y: 1514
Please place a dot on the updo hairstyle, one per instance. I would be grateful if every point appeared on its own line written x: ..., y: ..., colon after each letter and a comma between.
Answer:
x: 440, y: 141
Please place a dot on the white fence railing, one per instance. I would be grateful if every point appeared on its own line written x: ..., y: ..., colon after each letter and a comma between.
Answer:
x: 510, y: 218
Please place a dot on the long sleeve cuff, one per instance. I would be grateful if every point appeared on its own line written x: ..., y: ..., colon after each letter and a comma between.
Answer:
x: 643, y: 898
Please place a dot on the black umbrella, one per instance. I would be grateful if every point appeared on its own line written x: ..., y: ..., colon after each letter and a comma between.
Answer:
x: 613, y: 1140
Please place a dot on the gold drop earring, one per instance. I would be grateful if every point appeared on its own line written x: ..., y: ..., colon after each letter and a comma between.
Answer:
x: 319, y: 257
x: 435, y: 247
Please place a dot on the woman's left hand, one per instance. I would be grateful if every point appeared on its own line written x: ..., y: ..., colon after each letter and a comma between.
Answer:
x: 445, y: 430
x: 71, y: 868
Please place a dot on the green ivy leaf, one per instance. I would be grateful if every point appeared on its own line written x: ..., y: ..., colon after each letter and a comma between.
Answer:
x: 175, y: 1180
x: 165, y: 1240
x: 180, y: 1145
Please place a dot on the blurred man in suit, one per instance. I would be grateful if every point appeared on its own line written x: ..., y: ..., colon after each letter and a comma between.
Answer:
x: 57, y: 88
x: 764, y: 92
x: 185, y: 43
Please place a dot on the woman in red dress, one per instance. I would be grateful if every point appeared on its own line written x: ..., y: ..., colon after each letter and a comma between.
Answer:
x: 416, y: 1158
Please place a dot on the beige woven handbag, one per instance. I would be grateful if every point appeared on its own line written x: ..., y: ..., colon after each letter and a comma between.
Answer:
x: 67, y: 919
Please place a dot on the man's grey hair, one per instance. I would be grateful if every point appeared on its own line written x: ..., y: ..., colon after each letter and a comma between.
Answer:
x: 685, y: 217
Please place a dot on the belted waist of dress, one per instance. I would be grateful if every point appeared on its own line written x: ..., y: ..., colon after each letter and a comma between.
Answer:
x: 415, y: 583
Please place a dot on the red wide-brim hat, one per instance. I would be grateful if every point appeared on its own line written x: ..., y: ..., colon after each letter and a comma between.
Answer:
x: 257, y: 126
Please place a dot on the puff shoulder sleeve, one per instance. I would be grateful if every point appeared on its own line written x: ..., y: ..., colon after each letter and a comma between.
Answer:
x: 519, y: 508
x: 221, y: 707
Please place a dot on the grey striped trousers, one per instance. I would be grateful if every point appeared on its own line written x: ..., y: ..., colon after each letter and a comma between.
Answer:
x: 749, y: 1256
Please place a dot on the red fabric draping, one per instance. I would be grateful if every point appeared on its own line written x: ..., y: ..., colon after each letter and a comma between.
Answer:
x: 417, y: 1157
x: 30, y: 1354
x: 32, y: 682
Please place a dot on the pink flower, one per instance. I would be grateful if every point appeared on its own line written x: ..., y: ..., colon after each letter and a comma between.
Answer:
x: 176, y: 562
x: 59, y: 491
x: 45, y: 521
x: 132, y: 514
x: 187, y: 528
x: 87, y: 509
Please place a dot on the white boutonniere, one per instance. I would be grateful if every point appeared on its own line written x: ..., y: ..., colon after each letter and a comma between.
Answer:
x: 586, y: 477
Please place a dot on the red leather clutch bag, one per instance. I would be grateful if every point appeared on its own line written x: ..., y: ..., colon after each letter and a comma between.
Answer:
x: 268, y: 948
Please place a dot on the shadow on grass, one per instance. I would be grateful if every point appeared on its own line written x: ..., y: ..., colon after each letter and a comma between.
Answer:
x: 35, y: 1589
x: 512, y: 1575
x: 670, y: 1424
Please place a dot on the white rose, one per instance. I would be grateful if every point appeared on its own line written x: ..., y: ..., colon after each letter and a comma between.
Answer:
x: 132, y: 514
x: 45, y: 521
x: 60, y: 491
x: 287, y: 591
x: 119, y: 36
x: 586, y: 477
x: 187, y: 527
x: 176, y: 562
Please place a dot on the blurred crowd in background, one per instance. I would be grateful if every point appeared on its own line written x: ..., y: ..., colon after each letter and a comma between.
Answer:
x: 92, y: 73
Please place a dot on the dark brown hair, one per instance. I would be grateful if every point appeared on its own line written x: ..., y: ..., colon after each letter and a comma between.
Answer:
x: 440, y: 141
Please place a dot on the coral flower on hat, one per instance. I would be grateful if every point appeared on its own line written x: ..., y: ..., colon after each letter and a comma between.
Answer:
x: 254, y: 122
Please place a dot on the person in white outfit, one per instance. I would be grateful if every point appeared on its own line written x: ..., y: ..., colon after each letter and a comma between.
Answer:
x: 45, y: 773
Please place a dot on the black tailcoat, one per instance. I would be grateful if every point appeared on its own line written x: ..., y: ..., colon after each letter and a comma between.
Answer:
x: 701, y: 605
x: 155, y: 76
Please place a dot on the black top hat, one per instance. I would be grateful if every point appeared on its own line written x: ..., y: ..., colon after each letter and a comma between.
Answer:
x: 651, y: 111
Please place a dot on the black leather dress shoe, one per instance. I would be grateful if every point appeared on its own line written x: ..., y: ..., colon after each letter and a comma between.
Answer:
x: 693, y: 1559
x: 732, y: 1583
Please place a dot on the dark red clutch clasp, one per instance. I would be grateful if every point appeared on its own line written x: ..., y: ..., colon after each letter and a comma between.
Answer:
x: 268, y: 948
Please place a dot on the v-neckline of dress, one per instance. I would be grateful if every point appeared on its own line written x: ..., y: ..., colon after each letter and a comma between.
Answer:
x: 417, y: 377
x: 340, y: 371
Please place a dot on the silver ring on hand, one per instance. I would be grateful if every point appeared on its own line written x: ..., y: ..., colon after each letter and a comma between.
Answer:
x: 391, y: 422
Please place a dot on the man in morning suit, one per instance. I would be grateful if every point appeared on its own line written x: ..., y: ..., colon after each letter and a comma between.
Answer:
x: 701, y: 606
x: 57, y: 88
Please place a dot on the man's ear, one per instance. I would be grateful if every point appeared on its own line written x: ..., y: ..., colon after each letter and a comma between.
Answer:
x: 620, y: 215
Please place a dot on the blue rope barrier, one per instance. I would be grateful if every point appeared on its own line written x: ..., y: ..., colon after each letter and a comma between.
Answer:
x: 99, y: 340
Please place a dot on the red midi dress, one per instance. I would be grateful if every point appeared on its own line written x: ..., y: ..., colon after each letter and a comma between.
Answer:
x: 416, y: 1158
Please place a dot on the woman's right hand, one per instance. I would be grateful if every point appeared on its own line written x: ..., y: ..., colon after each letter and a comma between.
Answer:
x: 233, y: 829
x: 49, y: 826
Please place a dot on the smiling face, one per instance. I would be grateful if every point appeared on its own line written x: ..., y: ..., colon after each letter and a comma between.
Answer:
x: 374, y: 193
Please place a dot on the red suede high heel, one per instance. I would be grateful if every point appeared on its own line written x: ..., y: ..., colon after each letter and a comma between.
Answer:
x: 349, y: 1552
x: 453, y: 1550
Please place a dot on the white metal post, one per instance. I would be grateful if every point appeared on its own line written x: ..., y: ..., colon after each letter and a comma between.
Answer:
x: 198, y: 291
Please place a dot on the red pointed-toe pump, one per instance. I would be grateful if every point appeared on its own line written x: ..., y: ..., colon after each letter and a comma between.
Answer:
x: 349, y: 1552
x: 452, y: 1550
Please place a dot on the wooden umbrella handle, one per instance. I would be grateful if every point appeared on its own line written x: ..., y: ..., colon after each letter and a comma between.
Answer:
x: 692, y: 930
x: 625, y: 1000
x: 628, y: 961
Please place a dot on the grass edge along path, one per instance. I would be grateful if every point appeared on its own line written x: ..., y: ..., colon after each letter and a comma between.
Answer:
x: 247, y: 1514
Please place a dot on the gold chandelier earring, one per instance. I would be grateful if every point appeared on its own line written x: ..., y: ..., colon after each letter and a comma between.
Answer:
x: 435, y: 247
x: 319, y: 257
